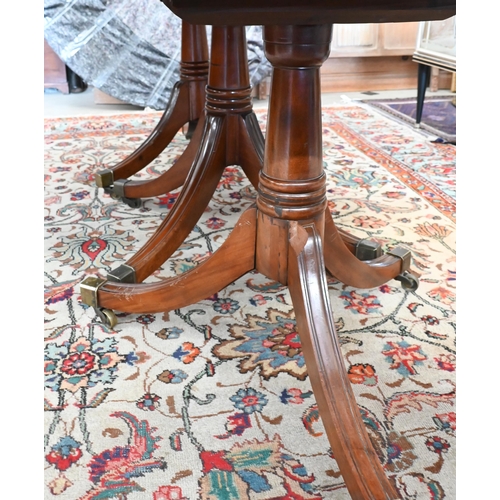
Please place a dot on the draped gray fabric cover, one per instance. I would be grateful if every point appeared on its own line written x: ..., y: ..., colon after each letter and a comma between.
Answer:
x: 129, y: 49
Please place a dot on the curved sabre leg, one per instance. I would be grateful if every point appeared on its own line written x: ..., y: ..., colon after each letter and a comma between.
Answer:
x: 172, y: 179
x: 185, y: 106
x: 251, y: 153
x: 194, y: 197
x: 209, y: 277
x: 250, y: 156
x: 358, y: 462
x: 347, y: 268
x: 174, y: 117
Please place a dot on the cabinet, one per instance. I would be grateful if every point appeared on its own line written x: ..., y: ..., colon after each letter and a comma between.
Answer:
x: 367, y: 57
x: 373, y: 57
x: 437, y: 49
x: 368, y: 40
x: 437, y: 44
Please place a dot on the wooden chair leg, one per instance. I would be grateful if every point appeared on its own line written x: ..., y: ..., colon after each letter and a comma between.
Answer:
x: 353, y: 451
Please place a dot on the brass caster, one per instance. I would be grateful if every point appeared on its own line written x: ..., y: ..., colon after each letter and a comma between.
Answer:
x: 88, y: 291
x: 122, y: 274
x: 132, y: 202
x: 408, y: 281
x: 117, y: 192
x: 368, y: 250
x: 104, y: 178
x: 107, y: 316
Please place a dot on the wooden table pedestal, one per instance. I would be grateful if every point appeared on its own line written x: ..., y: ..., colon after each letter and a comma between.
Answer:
x: 289, y: 235
x: 185, y: 106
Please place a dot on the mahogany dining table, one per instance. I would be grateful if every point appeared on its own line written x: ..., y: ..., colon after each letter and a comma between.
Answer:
x: 289, y: 234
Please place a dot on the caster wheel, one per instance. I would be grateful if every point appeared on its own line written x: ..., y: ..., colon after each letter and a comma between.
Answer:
x: 132, y: 202
x: 108, y: 317
x: 408, y: 281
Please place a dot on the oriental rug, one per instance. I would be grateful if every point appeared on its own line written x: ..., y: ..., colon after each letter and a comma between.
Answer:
x: 213, y: 401
x: 439, y: 114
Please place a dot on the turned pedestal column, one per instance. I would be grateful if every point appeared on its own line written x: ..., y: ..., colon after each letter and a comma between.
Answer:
x: 291, y: 241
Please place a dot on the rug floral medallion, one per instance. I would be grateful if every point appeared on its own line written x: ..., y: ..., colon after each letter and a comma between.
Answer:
x: 213, y: 401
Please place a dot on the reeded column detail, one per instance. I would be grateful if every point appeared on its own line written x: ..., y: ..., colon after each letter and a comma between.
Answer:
x: 298, y: 200
x: 228, y: 89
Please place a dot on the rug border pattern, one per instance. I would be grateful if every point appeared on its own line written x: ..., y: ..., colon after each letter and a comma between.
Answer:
x: 431, y: 193
x: 381, y: 105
